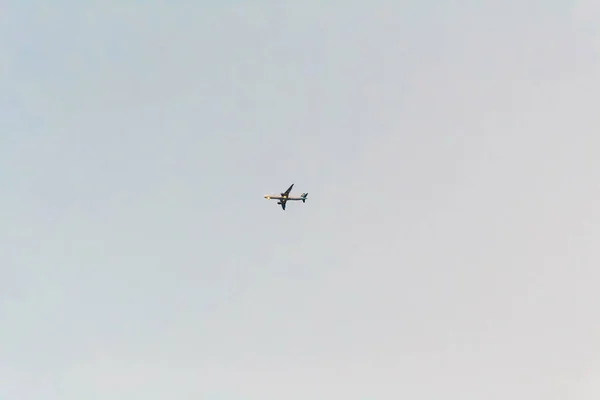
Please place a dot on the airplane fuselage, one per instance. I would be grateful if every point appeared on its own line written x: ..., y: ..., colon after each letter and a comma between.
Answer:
x: 279, y: 197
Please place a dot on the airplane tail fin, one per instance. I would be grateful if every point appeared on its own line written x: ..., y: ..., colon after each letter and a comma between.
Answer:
x: 304, y: 197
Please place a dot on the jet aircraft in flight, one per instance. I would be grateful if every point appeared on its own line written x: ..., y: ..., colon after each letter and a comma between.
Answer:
x: 285, y: 197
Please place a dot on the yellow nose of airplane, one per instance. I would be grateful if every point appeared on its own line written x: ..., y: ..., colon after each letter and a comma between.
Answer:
x: 267, y: 196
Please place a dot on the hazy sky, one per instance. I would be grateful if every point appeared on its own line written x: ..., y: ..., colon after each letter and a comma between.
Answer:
x: 448, y: 248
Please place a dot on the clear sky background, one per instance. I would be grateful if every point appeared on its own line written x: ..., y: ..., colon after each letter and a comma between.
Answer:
x: 449, y: 247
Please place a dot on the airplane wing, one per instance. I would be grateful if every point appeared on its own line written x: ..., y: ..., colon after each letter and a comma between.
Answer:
x: 287, y: 192
x: 283, y: 205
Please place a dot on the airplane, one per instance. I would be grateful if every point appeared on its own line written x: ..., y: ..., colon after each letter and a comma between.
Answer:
x: 285, y: 197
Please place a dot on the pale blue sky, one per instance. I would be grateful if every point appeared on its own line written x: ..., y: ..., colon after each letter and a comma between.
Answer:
x: 448, y: 247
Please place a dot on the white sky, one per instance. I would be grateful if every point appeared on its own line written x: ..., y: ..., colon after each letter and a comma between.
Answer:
x: 448, y: 247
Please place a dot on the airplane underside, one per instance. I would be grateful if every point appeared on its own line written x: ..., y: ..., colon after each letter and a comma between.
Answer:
x: 285, y: 197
